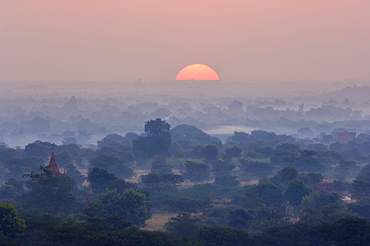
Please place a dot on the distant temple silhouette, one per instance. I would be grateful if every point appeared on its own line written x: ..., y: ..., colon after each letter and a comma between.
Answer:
x: 345, y: 137
x: 53, y: 168
x: 90, y: 196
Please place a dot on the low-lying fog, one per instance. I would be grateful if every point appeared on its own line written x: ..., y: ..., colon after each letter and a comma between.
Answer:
x: 85, y: 112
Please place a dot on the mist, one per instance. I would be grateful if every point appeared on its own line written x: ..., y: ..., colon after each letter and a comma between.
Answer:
x: 101, y: 145
x: 49, y: 111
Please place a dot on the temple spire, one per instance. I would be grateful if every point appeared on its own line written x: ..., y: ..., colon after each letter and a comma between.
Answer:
x: 90, y: 196
x: 52, y: 169
x: 54, y: 166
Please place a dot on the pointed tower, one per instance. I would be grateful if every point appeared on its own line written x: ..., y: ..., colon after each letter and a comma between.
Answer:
x: 54, y: 166
x: 52, y: 170
x: 90, y: 196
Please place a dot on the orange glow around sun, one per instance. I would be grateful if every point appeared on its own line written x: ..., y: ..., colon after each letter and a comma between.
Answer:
x: 197, y: 72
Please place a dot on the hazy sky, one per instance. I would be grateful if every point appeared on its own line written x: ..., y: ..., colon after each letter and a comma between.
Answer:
x: 154, y: 39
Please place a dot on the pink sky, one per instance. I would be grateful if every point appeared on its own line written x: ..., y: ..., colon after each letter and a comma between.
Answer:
x: 152, y: 40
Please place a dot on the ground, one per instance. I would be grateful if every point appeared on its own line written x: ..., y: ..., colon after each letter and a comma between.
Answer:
x: 156, y: 223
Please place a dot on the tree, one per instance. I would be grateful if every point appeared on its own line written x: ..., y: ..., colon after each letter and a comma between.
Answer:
x: 157, y: 127
x: 227, y: 216
x: 39, y: 149
x: 75, y: 155
x: 311, y: 178
x: 361, y: 185
x: 361, y: 208
x: 256, y: 169
x: 238, y: 218
x: 210, y: 152
x: 159, y: 182
x: 112, y: 164
x: 310, y: 215
x: 64, y: 158
x: 72, y: 232
x: 17, y: 184
x: 51, y: 194
x: 196, y: 172
x: 130, y: 204
x: 347, y: 231
x: 234, y: 151
x: 265, y: 217
x: 69, y: 141
x: 223, y: 235
x: 7, y: 193
x: 183, y: 225
x: 160, y: 166
x: 295, y: 191
x: 265, y: 152
x: 74, y: 173
x: 7, y: 154
x: 137, y: 236
x: 101, y: 180
x: 196, y: 151
x: 157, y: 140
x: 341, y: 186
x: 123, y: 153
x: 177, y: 204
x: 240, y: 137
x: 11, y: 225
x: 287, y: 174
x: 17, y: 167
x: 296, y: 234
x: 346, y: 166
x: 287, y: 148
x: 114, y: 141
x: 221, y: 167
x: 320, y: 199
x: 307, y: 162
x: 189, y: 135
x: 264, y: 194
x: 227, y: 180
x: 131, y: 136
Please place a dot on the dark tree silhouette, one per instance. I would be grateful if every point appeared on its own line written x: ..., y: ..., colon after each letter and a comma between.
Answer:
x: 196, y: 172
x: 157, y: 140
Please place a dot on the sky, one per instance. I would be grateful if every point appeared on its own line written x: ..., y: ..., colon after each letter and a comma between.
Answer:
x: 69, y: 40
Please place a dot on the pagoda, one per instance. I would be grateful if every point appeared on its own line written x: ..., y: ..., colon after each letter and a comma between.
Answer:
x: 53, y: 168
x: 90, y: 196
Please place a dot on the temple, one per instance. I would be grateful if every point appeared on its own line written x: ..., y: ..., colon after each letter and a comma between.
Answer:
x: 345, y: 137
x: 90, y: 196
x: 53, y: 167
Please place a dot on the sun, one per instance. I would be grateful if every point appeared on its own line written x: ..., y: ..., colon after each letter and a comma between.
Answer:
x: 197, y: 72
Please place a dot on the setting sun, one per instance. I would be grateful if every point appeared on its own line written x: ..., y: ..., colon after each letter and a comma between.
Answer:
x: 197, y: 72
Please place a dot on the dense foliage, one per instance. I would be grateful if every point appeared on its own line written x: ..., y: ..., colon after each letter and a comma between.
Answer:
x: 254, y: 189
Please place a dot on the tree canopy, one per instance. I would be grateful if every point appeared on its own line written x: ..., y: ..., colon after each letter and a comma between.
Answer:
x: 157, y: 140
